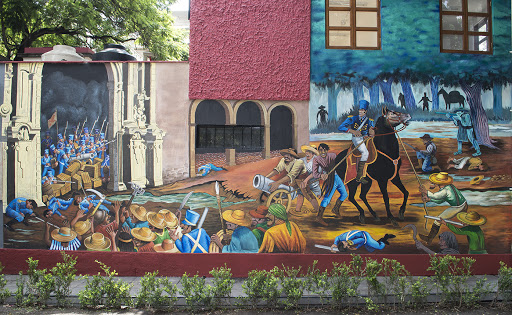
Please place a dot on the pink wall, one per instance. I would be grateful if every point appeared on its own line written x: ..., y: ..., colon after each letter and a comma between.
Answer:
x: 249, y: 49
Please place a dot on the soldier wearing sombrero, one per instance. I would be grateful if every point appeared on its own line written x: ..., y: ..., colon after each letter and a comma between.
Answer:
x: 427, y: 157
x: 472, y: 230
x: 192, y: 241
x: 309, y: 188
x: 97, y: 242
x: 292, y: 165
x: 259, y: 222
x: 143, y: 239
x: 136, y: 218
x: 447, y: 193
x: 242, y: 239
x: 158, y: 225
x: 63, y: 238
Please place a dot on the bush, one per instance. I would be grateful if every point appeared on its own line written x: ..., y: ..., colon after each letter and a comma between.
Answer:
x: 261, y: 285
x: 156, y: 292
x: 64, y: 274
x: 39, y: 286
x: 4, y: 292
x: 344, y: 282
x: 292, y: 286
x: 222, y: 284
x: 105, y: 290
x: 317, y: 282
x: 504, y: 291
x: 195, y: 291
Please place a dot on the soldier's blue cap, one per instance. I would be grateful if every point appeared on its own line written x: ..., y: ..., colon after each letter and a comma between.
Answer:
x: 71, y: 137
x: 46, y: 151
x: 86, y: 130
x: 52, y: 147
x: 59, y: 136
x: 47, y: 132
x: 363, y: 104
x: 191, y: 218
x: 102, y: 135
x: 82, y: 142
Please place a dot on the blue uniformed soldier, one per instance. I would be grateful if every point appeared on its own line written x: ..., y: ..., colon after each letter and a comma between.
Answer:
x: 462, y: 119
x: 47, y: 141
x: 360, y: 127
x: 46, y: 162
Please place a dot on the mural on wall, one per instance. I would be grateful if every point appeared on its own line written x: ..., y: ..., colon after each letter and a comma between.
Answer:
x: 406, y: 154
x: 443, y: 171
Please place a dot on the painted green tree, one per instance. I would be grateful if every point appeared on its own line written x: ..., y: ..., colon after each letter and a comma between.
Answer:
x: 410, y: 54
x: 89, y: 23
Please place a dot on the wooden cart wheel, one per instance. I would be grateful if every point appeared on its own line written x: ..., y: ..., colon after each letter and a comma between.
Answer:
x: 281, y: 196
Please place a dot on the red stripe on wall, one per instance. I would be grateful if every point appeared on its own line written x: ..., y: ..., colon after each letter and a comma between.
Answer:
x: 175, y: 265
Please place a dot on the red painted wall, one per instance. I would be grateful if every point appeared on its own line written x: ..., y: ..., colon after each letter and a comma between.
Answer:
x: 249, y: 49
x: 175, y: 265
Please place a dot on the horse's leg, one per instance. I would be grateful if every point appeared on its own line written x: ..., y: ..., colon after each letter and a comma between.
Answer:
x: 398, y: 183
x: 364, y: 191
x: 383, y: 185
x: 352, y: 187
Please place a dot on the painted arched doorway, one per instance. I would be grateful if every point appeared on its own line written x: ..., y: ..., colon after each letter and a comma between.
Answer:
x: 281, y: 128
x: 248, y: 135
x: 210, y: 119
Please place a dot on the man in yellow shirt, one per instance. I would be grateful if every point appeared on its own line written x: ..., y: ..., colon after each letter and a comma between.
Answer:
x: 293, y: 166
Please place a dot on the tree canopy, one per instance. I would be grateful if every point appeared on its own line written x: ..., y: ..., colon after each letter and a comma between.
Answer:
x: 90, y: 23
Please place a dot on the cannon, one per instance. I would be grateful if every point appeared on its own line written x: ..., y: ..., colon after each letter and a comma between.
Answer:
x: 283, y: 195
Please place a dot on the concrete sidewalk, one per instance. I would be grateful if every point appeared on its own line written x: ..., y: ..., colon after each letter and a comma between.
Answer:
x: 308, y: 298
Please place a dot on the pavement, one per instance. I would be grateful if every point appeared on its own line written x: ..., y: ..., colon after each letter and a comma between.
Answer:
x: 308, y: 300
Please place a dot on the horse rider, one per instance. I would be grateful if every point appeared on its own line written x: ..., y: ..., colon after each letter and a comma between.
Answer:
x: 359, y: 126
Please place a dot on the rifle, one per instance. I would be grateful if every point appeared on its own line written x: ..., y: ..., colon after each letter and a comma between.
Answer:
x: 82, y: 131
x: 65, y: 130
x: 412, y: 147
x: 102, y: 124
x: 445, y: 113
x: 92, y: 128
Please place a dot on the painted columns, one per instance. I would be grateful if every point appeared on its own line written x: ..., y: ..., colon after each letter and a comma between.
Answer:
x: 23, y: 134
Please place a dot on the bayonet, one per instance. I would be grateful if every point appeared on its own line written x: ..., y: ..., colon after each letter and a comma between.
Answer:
x: 326, y: 247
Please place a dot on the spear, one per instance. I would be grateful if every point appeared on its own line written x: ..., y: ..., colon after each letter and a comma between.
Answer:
x: 82, y: 131
x: 220, y: 206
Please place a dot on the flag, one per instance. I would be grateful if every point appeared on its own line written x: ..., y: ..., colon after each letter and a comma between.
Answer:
x: 52, y: 120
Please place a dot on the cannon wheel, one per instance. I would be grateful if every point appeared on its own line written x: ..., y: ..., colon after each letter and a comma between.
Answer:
x: 281, y: 196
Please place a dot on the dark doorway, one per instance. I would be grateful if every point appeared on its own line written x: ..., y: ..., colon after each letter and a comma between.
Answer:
x: 210, y: 122
x: 281, y: 132
x: 249, y: 133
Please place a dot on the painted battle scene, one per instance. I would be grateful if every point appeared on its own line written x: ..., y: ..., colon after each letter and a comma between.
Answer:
x: 139, y: 218
x: 399, y: 149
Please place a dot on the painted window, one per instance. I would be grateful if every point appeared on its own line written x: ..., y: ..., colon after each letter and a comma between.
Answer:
x: 242, y: 138
x: 352, y: 24
x: 466, y: 26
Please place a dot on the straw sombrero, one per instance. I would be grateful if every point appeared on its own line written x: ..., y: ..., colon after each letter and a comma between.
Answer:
x: 139, y: 212
x: 259, y: 212
x: 157, y: 220
x: 290, y: 151
x: 170, y: 218
x: 81, y: 227
x: 471, y: 218
x: 167, y: 246
x: 237, y: 217
x: 311, y: 148
x: 97, y: 242
x: 476, y: 180
x: 63, y: 235
x: 474, y: 162
x: 441, y: 178
x: 143, y: 234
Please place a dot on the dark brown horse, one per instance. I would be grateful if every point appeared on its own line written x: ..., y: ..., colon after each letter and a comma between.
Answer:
x: 385, y: 168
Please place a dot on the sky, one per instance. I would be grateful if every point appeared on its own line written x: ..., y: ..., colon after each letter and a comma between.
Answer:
x: 180, y: 5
